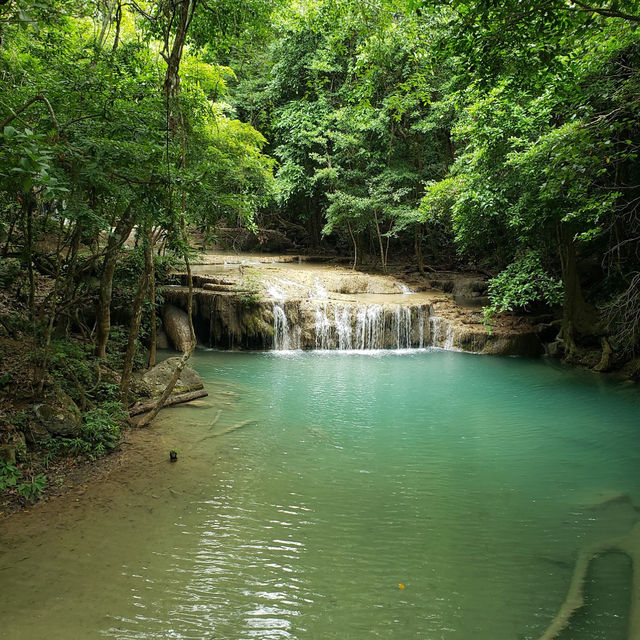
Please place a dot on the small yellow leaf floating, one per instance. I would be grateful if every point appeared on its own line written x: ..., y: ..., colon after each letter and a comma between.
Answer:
x: 400, y: 585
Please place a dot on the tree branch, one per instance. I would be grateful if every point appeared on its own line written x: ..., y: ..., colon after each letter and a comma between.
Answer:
x: 27, y: 104
x: 607, y: 13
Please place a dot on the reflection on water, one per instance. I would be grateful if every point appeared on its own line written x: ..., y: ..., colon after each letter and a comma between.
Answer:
x: 470, y: 481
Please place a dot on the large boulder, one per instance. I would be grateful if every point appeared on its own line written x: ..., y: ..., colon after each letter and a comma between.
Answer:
x: 57, y: 415
x: 176, y: 325
x: 152, y: 383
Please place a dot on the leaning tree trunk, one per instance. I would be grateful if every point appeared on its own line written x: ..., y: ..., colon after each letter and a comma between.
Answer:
x: 355, y: 246
x: 380, y: 245
x: 182, y: 363
x: 27, y: 207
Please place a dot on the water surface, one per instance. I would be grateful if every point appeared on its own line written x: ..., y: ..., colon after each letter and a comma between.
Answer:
x: 423, y: 495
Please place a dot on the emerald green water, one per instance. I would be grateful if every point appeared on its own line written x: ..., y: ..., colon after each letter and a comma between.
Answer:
x: 471, y: 481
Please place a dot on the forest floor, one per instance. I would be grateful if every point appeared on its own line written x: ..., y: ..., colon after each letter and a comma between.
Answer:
x: 70, y: 477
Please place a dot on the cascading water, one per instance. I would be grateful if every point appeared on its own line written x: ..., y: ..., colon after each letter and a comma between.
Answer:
x: 442, y: 333
x: 449, y: 338
x: 369, y: 327
x: 281, y: 338
x: 343, y: 324
x: 322, y: 328
x: 318, y: 322
x: 403, y: 327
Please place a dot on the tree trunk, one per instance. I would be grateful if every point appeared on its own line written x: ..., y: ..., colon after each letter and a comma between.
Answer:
x: 50, y: 321
x: 184, y: 10
x: 134, y: 331
x: 28, y: 215
x: 148, y: 405
x: 148, y: 258
x: 103, y: 312
x: 579, y: 318
x: 355, y: 247
x: 116, y: 39
x: 379, y: 235
x: 106, y: 22
x: 12, y: 226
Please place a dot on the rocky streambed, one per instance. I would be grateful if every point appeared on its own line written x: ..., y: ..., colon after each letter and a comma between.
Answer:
x: 282, y: 303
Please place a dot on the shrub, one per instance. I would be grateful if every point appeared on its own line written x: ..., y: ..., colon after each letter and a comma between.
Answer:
x: 31, y: 490
x: 9, y: 475
x: 99, y: 433
x: 523, y: 283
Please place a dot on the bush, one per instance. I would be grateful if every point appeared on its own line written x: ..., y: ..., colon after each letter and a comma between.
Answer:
x: 10, y: 479
x: 101, y: 428
x: 31, y: 490
x: 99, y: 434
x: 9, y: 475
x: 10, y: 272
x: 117, y: 346
x: 523, y: 283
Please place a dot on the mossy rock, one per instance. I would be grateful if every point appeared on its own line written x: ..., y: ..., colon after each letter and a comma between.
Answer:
x: 57, y: 415
x: 152, y: 383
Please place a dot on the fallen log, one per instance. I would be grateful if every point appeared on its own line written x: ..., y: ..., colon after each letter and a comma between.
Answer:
x: 179, y: 398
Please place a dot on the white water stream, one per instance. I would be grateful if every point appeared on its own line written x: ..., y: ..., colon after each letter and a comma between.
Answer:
x: 347, y: 325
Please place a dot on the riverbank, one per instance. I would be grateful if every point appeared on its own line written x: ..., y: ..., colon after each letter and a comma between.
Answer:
x: 75, y: 479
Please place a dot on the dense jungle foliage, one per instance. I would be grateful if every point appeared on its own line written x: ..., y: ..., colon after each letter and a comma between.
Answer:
x: 498, y: 136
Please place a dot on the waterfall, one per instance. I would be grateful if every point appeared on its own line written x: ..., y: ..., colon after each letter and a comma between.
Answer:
x: 442, y: 333
x: 318, y: 291
x: 343, y: 323
x: 322, y: 328
x: 281, y: 338
x: 449, y: 338
x: 370, y: 327
x: 327, y: 325
x: 402, y: 318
